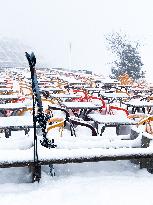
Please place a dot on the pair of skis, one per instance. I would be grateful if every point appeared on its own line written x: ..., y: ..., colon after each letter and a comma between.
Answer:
x: 38, y: 117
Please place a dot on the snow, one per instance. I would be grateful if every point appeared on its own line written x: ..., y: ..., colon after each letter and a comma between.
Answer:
x: 71, y: 105
x: 115, y: 95
x: 51, y: 89
x: 18, y: 148
x: 16, y: 121
x: 108, y: 183
x: 111, y: 119
x: 8, y: 97
x: 138, y: 103
x: 94, y: 89
x: 6, y: 89
x: 65, y: 96
x: 12, y: 106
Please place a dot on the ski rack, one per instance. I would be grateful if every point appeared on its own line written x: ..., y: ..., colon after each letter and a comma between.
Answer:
x: 38, y: 117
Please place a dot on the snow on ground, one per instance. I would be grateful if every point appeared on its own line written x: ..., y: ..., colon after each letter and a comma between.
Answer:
x: 107, y: 183
x: 88, y: 183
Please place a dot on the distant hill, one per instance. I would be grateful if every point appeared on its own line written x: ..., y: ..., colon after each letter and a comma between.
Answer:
x: 12, y: 54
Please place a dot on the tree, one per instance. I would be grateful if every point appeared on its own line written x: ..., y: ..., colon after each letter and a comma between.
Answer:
x: 128, y: 60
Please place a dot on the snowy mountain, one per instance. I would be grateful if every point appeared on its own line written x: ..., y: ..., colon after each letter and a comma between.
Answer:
x: 12, y: 54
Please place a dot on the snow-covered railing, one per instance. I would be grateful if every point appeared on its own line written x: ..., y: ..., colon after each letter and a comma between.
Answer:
x: 21, y: 158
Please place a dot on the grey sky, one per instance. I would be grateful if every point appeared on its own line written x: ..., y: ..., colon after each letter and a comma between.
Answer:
x: 50, y: 25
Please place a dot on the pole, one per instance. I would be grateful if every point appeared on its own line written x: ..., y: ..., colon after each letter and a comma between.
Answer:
x: 70, y: 56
